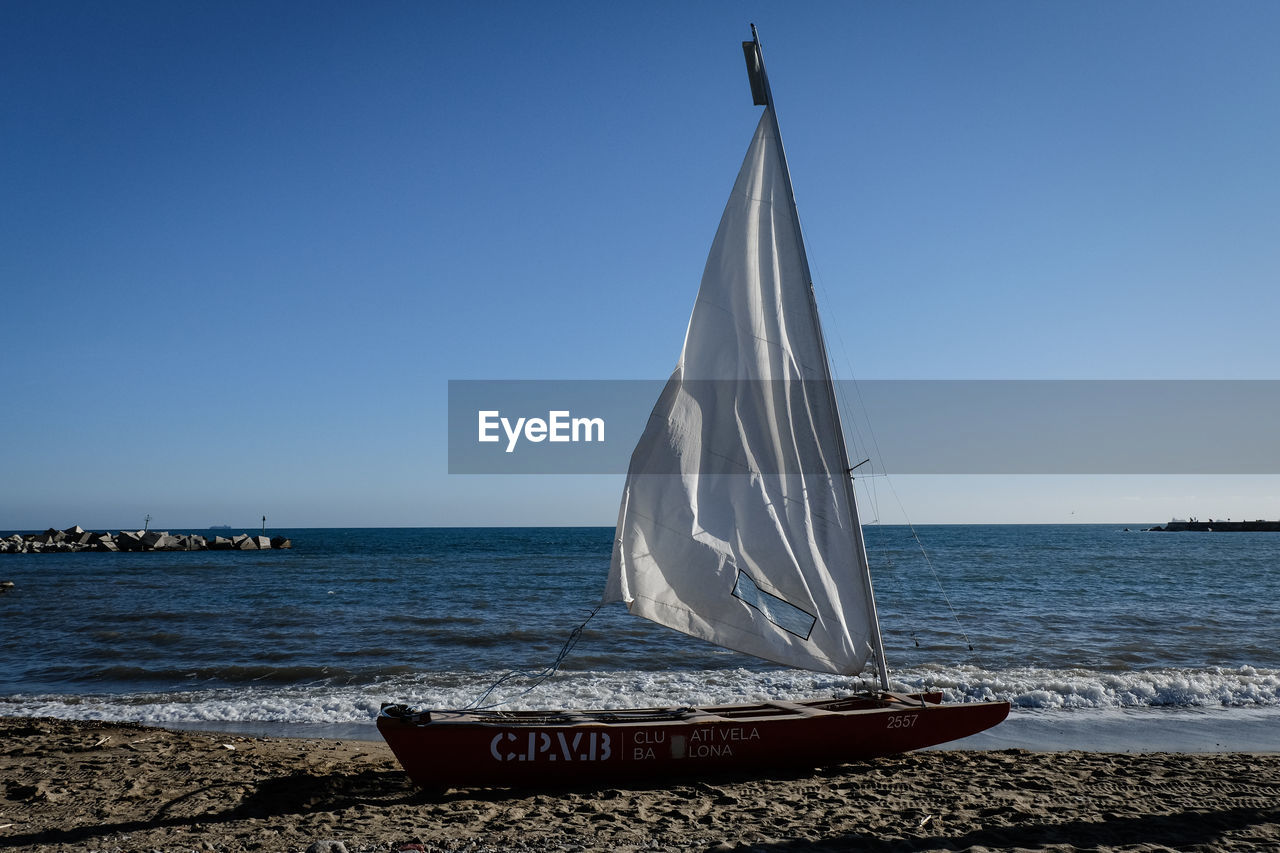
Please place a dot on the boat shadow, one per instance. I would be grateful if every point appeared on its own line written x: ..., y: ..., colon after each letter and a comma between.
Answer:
x: 304, y: 792
x: 690, y: 785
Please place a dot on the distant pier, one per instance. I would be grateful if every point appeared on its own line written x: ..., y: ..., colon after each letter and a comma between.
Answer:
x: 1212, y: 526
x: 78, y: 539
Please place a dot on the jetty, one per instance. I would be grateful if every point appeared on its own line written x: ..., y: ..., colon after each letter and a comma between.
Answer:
x: 78, y: 539
x: 1219, y: 526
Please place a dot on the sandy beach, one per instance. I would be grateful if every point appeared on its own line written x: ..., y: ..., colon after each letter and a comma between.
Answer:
x: 108, y: 786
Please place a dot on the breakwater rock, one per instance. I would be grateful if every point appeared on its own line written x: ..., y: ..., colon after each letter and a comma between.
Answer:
x: 78, y: 539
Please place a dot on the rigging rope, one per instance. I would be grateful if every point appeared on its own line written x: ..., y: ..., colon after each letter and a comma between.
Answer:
x: 820, y: 285
x: 536, y: 677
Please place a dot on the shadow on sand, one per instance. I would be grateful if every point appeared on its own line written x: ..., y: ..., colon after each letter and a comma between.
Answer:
x: 308, y: 793
x: 283, y: 796
x: 1188, y: 830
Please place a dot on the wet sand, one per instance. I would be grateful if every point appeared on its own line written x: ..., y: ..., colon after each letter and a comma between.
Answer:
x: 120, y: 787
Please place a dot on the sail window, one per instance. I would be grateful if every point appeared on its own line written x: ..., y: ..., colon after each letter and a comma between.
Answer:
x: 779, y: 611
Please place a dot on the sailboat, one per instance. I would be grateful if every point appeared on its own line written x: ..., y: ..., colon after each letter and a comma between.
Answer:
x: 738, y: 525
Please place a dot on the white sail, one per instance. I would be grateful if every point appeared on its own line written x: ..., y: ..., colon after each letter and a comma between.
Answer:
x: 737, y: 522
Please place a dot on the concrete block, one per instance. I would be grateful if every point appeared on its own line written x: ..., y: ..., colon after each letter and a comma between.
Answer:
x: 153, y: 539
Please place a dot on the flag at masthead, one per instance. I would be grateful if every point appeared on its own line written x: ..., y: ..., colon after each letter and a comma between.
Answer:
x: 755, y: 70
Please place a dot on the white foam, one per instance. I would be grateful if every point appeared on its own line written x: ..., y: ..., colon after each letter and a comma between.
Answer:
x: 1029, y: 689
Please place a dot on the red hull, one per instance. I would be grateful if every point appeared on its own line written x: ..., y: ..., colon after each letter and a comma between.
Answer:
x: 444, y: 749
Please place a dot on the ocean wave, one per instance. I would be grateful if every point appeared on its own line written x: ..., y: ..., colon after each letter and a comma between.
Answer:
x: 229, y: 675
x: 1048, y: 689
x: 1029, y: 690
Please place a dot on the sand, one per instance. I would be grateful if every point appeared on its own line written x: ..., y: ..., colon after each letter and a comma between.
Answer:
x: 107, y: 786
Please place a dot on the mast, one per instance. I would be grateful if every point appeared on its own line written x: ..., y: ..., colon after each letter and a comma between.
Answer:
x: 762, y: 95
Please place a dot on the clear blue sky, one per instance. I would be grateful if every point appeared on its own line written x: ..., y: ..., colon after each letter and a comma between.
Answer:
x: 243, y: 246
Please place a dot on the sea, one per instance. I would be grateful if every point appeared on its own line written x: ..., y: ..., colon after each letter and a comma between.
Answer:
x: 1101, y: 637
